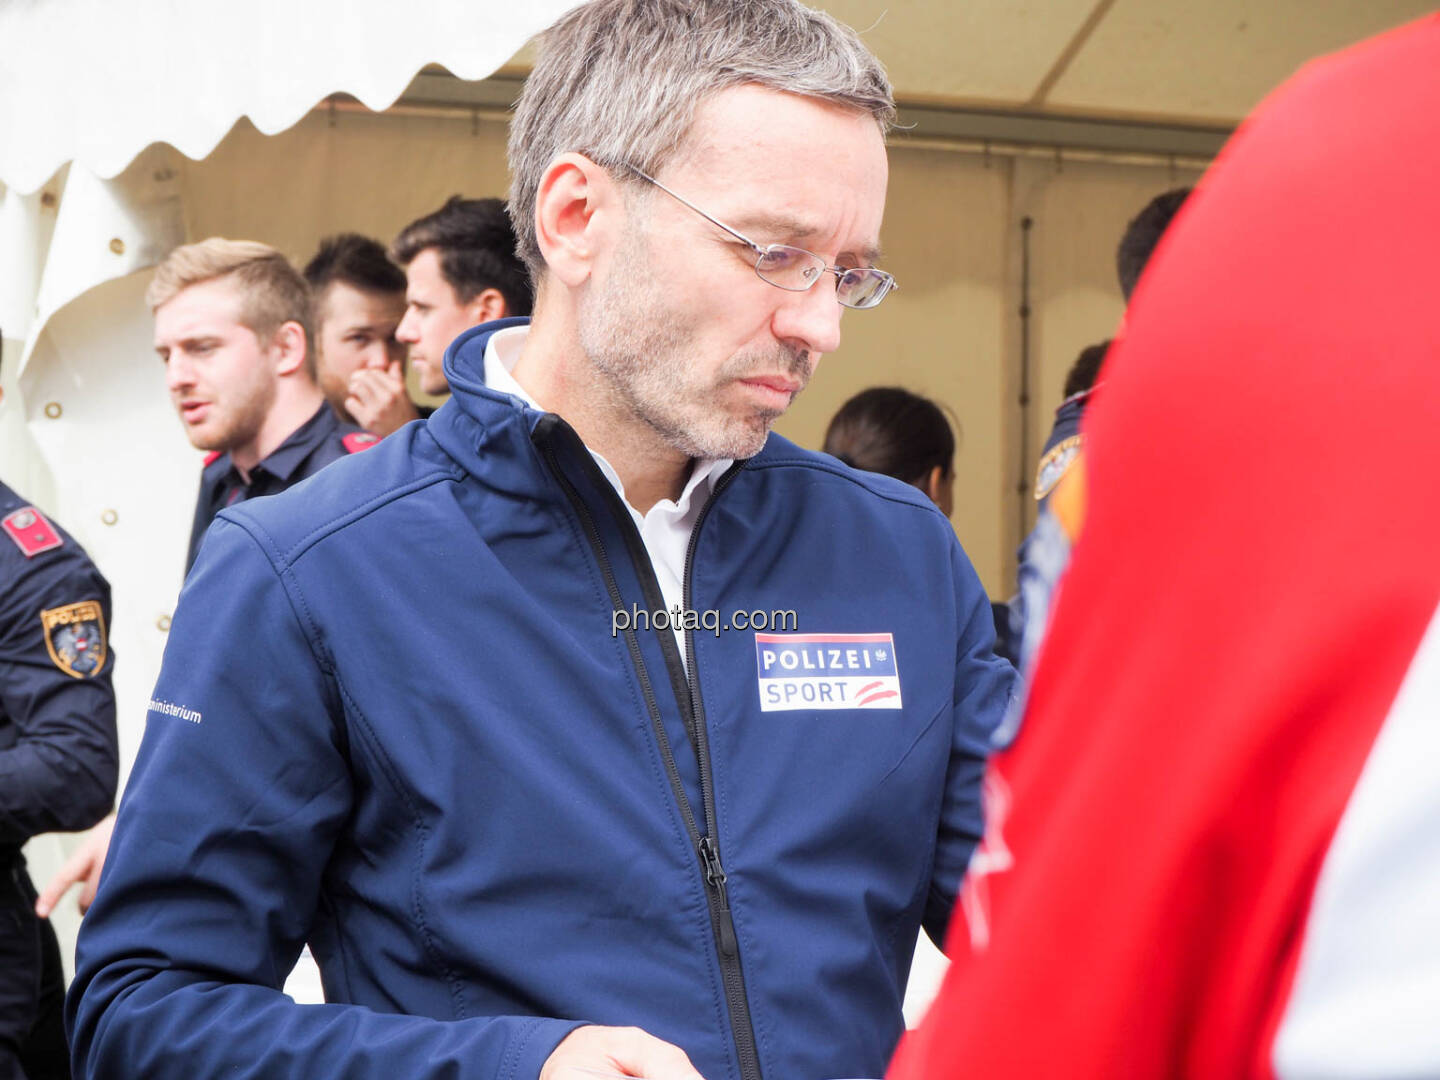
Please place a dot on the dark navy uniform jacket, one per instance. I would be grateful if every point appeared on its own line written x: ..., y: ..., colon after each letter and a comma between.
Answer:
x: 313, y: 445
x: 58, y: 756
x: 394, y: 719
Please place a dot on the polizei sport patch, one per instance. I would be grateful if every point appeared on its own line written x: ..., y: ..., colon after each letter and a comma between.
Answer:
x: 827, y: 671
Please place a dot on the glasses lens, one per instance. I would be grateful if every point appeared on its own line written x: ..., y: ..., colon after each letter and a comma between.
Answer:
x: 789, y: 268
x: 863, y: 287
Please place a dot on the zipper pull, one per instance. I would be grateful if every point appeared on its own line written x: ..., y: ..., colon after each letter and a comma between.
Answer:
x: 715, y: 877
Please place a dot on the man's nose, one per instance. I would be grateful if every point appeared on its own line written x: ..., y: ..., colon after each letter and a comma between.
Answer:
x: 179, y: 374
x: 810, y: 320
x: 408, y: 330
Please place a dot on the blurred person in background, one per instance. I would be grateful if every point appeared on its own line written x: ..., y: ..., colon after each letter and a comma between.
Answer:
x: 890, y: 430
x: 58, y: 759
x: 357, y: 299
x: 461, y: 270
x: 1222, y: 844
x: 1059, y: 476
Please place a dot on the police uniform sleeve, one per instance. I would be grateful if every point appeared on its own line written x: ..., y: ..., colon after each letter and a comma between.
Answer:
x: 58, y: 755
x: 984, y: 686
x: 238, y: 795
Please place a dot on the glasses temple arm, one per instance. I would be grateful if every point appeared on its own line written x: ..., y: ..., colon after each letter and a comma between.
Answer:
x: 686, y: 202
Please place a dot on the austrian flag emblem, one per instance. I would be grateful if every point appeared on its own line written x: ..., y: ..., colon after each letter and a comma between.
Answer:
x: 75, y: 637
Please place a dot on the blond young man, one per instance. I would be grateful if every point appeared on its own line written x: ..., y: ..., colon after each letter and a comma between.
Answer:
x: 232, y: 326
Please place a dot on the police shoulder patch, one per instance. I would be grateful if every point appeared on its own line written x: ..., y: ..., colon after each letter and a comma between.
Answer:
x: 75, y: 637
x: 359, y: 440
x: 1055, y: 464
x: 31, y: 532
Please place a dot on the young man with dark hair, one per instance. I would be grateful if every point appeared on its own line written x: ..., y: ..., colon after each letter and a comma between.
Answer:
x: 461, y: 270
x: 1143, y: 235
x: 358, y: 298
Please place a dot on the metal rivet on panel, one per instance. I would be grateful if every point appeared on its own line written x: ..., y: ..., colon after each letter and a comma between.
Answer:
x: 53, y: 410
x: 163, y: 624
x: 117, y: 246
x: 109, y: 517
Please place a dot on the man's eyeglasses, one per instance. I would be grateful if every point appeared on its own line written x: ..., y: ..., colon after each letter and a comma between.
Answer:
x: 796, y: 269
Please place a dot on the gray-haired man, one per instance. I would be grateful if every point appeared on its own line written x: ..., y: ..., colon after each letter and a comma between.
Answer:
x: 534, y: 841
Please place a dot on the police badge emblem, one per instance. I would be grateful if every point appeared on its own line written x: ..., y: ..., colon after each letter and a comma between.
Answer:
x: 75, y: 637
x: 1054, y: 464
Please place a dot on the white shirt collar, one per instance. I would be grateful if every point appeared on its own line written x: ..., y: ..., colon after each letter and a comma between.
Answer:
x: 502, y: 352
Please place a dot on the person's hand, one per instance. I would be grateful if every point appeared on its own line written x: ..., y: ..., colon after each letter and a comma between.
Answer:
x: 82, y: 868
x: 616, y: 1051
x: 378, y: 400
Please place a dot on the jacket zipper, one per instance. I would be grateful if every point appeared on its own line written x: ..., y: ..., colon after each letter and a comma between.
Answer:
x: 710, y: 844
x: 706, y: 845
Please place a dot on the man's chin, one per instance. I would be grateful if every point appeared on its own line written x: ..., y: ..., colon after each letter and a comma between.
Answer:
x: 203, y: 441
x: 738, y: 441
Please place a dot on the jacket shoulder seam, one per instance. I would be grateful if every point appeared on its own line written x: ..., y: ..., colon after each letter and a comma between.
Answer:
x: 290, y: 554
x: 921, y: 503
x: 269, y: 551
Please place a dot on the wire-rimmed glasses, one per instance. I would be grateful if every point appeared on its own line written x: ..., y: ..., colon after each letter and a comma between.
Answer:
x: 795, y: 269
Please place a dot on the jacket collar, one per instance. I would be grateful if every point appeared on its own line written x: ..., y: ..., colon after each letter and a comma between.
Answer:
x: 286, y: 458
x: 479, y: 421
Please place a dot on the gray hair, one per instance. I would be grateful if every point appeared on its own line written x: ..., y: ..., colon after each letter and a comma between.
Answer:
x: 620, y: 80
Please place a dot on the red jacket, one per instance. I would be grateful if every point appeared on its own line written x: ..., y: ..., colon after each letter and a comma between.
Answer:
x: 1224, y: 835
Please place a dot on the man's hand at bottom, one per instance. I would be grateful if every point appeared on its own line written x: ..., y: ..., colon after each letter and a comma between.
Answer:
x: 616, y: 1051
x: 82, y: 868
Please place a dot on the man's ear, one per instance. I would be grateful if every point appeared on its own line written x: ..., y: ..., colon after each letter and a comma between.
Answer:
x: 935, y: 484
x: 578, y: 211
x: 485, y: 305
x: 288, y: 348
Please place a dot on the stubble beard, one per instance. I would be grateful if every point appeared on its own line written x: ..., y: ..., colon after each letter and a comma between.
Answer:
x: 644, y: 352
x: 240, y: 419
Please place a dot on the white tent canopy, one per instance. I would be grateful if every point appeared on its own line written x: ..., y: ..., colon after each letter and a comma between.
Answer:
x: 94, y: 82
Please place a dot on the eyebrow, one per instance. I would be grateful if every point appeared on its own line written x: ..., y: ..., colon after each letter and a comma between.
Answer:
x: 188, y: 342
x: 798, y: 231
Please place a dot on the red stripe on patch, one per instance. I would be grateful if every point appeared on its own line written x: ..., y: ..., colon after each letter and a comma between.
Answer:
x: 359, y: 440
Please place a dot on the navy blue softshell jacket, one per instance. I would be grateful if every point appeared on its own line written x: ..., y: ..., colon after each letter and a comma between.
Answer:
x: 392, y: 719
